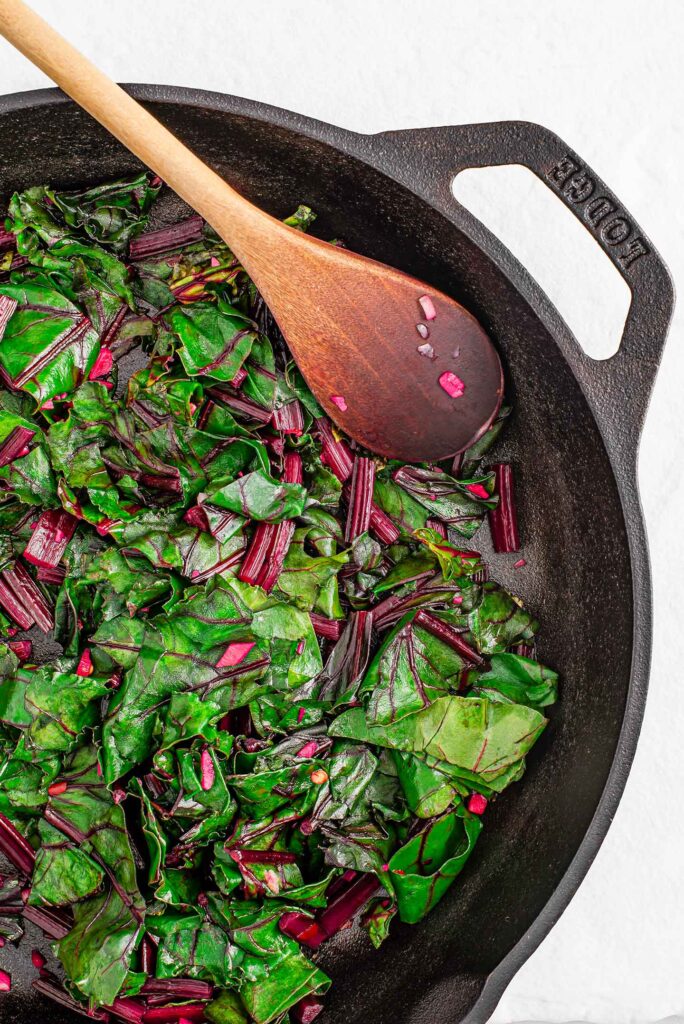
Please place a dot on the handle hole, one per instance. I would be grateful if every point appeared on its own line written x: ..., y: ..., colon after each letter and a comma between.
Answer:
x: 552, y: 245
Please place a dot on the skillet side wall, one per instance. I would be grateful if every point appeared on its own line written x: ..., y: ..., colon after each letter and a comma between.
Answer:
x: 578, y: 578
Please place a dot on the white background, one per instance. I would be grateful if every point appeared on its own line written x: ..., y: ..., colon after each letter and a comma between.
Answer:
x: 607, y: 76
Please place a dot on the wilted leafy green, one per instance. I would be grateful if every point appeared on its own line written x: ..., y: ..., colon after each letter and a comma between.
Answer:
x: 240, y: 732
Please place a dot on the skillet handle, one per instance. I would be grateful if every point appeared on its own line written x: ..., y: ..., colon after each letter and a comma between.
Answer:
x: 619, y: 387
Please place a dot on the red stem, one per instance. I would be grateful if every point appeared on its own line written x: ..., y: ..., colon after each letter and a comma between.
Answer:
x: 17, y: 849
x: 360, y: 498
x: 448, y: 635
x: 48, y: 542
x: 289, y: 419
x: 276, y: 555
x: 503, y: 519
x: 154, y: 243
x: 14, y: 444
x: 330, y: 629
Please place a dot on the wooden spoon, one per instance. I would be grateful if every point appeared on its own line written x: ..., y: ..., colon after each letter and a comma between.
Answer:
x: 353, y: 325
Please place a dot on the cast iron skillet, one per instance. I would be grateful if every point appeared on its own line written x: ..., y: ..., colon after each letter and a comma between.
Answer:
x: 574, y: 441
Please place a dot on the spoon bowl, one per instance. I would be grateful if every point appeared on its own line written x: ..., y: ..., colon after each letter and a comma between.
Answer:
x: 401, y: 381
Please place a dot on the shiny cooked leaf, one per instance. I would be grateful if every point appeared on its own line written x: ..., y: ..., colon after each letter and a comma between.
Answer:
x: 238, y: 733
x: 423, y: 869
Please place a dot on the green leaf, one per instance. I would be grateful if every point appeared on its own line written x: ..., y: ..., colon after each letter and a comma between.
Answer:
x: 97, y: 953
x: 215, y: 338
x: 259, y: 496
x: 61, y: 706
x: 226, y: 1008
x: 411, y: 669
x: 423, y: 869
x: 111, y: 214
x: 499, y: 620
x: 48, y: 346
x: 191, y: 947
x: 276, y: 974
x: 475, y: 734
x: 428, y: 791
x: 521, y: 680
x: 407, y: 513
x: 446, y: 498
x: 63, y: 875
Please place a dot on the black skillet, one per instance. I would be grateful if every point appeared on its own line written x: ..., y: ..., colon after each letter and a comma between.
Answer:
x: 573, y: 440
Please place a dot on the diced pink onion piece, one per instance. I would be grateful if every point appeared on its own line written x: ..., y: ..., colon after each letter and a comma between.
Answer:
x: 340, y: 402
x: 102, y: 365
x: 424, y: 332
x: 37, y: 959
x: 477, y: 803
x: 453, y: 385
x: 85, y: 664
x: 208, y: 773
x: 306, y: 1010
x: 478, y: 490
x: 5, y: 982
x: 428, y: 307
x: 308, y: 750
x: 235, y: 653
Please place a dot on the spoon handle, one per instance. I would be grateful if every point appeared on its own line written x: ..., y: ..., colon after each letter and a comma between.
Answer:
x: 234, y: 218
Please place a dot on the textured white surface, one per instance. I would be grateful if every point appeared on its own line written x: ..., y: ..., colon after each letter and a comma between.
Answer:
x: 607, y: 77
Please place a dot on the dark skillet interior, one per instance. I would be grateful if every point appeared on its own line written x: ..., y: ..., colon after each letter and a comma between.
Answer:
x: 577, y: 576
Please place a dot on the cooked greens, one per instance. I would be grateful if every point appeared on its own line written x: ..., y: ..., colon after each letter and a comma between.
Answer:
x: 279, y: 687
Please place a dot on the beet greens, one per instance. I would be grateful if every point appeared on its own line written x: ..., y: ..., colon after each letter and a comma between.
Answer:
x: 280, y: 688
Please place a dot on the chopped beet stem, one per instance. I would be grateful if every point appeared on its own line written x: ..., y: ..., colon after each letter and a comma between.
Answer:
x: 335, y: 454
x: 382, y: 526
x: 14, y: 444
x: 243, y: 856
x: 448, y: 635
x: 12, y: 604
x: 293, y: 472
x: 154, y: 243
x: 54, y: 991
x: 239, y: 378
x: 241, y: 405
x: 329, y: 629
x: 15, y: 848
x: 438, y: 526
x: 53, y: 531
x: 175, y: 1014
x: 54, y: 923
x: 503, y: 519
x: 177, y: 989
x: 282, y: 538
x: 346, y: 905
x: 7, y: 308
x: 17, y: 579
x: 360, y: 497
x: 289, y: 419
x: 130, y: 1010
x: 49, y: 575
x: 254, y: 561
